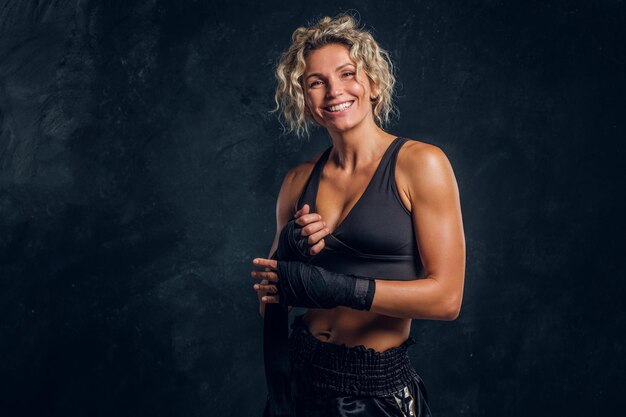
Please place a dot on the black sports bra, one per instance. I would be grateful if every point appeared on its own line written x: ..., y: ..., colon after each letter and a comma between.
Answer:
x: 376, y: 239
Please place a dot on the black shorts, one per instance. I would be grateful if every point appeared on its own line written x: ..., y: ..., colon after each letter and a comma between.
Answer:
x: 335, y: 380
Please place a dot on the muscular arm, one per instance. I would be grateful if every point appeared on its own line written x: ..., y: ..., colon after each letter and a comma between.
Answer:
x: 290, y: 190
x: 434, y: 196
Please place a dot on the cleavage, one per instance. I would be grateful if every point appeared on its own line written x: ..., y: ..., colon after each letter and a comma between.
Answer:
x: 333, y: 193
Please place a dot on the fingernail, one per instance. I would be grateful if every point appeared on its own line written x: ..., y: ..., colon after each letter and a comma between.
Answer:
x: 256, y: 286
x: 256, y: 261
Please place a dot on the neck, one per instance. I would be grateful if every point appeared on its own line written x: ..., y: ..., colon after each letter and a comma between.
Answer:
x: 358, y: 147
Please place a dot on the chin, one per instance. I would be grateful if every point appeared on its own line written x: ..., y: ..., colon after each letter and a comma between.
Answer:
x: 342, y: 127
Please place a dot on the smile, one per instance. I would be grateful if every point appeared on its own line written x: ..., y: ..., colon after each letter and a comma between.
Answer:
x: 339, y: 107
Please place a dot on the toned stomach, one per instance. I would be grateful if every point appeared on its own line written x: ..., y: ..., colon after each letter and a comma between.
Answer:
x: 353, y: 327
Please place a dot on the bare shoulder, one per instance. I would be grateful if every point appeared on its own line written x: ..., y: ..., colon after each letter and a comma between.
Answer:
x: 415, y: 155
x: 421, y: 168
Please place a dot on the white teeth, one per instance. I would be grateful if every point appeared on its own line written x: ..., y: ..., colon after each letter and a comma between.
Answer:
x: 340, y: 107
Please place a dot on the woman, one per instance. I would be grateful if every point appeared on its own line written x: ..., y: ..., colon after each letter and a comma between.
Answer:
x: 369, y: 235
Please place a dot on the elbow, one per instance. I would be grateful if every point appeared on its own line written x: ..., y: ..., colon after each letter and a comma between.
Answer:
x: 452, y: 314
x: 451, y: 309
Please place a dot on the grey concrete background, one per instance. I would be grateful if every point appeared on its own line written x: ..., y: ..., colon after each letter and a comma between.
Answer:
x: 139, y: 169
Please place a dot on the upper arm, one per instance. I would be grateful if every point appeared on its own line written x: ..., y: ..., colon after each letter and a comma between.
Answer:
x: 290, y: 190
x: 433, y: 192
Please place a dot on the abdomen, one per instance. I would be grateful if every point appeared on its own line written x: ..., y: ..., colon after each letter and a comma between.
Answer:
x: 342, y: 325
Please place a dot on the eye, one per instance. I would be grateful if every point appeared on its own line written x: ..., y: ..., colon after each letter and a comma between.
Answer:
x: 314, y: 83
x: 349, y: 73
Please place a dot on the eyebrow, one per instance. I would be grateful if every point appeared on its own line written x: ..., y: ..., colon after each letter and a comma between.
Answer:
x: 336, y: 69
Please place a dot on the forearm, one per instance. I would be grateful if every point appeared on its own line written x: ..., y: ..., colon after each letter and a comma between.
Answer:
x: 424, y: 298
x: 305, y: 285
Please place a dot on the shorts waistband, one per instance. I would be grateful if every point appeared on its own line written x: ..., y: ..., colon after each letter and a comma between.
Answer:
x: 349, y: 370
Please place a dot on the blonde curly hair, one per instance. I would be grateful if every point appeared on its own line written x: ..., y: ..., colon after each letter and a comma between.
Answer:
x: 364, y: 51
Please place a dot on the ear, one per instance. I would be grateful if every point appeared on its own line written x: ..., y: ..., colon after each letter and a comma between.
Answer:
x: 373, y: 90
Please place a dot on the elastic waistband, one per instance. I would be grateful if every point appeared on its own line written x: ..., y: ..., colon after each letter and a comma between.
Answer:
x: 349, y: 370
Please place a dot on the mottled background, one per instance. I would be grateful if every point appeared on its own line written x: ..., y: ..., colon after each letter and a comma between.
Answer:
x: 139, y: 167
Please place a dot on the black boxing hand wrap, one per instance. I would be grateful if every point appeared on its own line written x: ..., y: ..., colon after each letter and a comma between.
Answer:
x: 305, y: 285
x: 292, y: 246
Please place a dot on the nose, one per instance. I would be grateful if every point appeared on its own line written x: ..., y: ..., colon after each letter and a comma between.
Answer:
x: 334, y: 87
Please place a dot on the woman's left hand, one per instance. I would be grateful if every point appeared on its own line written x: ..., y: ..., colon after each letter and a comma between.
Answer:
x: 268, y: 275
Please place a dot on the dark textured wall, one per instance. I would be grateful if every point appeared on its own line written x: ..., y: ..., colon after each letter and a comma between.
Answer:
x: 139, y: 169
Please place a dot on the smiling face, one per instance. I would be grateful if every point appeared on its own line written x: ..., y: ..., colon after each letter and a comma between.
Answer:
x: 336, y: 98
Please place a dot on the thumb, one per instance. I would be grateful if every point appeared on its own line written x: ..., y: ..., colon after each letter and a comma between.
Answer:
x: 304, y: 210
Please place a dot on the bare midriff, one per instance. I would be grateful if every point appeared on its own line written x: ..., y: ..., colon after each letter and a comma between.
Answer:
x: 342, y: 325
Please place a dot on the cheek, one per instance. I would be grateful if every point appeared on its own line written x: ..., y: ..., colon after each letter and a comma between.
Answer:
x: 310, y: 98
x: 359, y: 89
x: 310, y: 107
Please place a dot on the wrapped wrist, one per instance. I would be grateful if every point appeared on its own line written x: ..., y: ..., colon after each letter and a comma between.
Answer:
x: 305, y: 285
x: 292, y: 246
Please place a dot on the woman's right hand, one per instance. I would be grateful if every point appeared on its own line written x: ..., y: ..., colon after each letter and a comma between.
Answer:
x: 314, y: 227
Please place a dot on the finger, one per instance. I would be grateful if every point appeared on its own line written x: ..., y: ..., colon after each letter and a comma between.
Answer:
x: 270, y: 276
x: 318, y: 235
x: 265, y: 288
x: 312, y: 228
x: 260, y: 293
x: 268, y: 263
x: 304, y: 210
x: 308, y: 218
x: 318, y: 247
x: 270, y: 299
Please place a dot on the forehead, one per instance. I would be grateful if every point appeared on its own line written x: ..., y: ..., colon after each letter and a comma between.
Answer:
x: 328, y: 57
